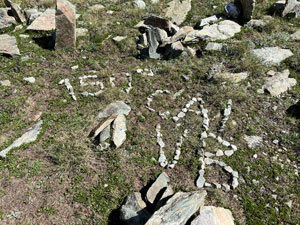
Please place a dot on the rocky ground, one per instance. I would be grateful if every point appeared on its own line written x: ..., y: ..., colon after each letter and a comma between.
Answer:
x: 221, y: 117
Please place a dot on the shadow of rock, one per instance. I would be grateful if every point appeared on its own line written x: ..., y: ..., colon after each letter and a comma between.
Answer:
x: 45, y: 42
x: 294, y: 110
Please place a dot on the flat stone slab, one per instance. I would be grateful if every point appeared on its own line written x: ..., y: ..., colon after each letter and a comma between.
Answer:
x: 233, y: 77
x: 177, y: 10
x: 279, y: 83
x: 220, y: 31
x: 8, y: 45
x: 45, y: 22
x: 160, y: 183
x: 117, y: 107
x: 272, y: 55
x: 119, y: 132
x: 178, y: 209
x: 6, y: 21
x: 30, y: 136
x: 211, y: 215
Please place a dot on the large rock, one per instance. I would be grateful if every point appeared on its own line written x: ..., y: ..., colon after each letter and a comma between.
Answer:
x: 45, y: 22
x: 65, y: 20
x: 158, y: 188
x: 30, y: 136
x: 221, y: 31
x: 117, y: 107
x: 211, y: 215
x: 8, y: 45
x: 173, y: 50
x: 292, y: 8
x: 279, y: 83
x: 32, y: 14
x: 153, y: 44
x: 134, y: 211
x: 177, y: 10
x: 247, y: 8
x: 119, y: 132
x: 296, y: 36
x: 17, y: 12
x: 6, y: 21
x: 272, y: 55
x: 178, y: 209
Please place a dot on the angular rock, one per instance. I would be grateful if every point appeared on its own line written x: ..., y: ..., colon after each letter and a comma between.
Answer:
x: 233, y: 77
x: 104, y: 124
x: 178, y: 209
x: 181, y: 33
x: 221, y: 31
x: 247, y: 8
x: 157, y: 189
x: 65, y: 20
x: 296, y: 36
x: 161, y: 35
x: 291, y: 8
x: 30, y: 136
x: 6, y: 21
x: 134, y: 211
x: 159, y: 22
x: 272, y: 55
x: 105, y: 134
x: 253, y: 141
x: 8, y: 45
x: 279, y: 83
x: 45, y: 22
x: 207, y: 21
x: 173, y: 50
x: 211, y: 215
x: 17, y: 12
x: 117, y: 107
x: 177, y: 10
x: 213, y: 46
x: 119, y: 132
x: 32, y: 14
x: 153, y: 44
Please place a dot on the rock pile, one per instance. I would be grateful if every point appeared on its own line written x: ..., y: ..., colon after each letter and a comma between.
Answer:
x: 160, y: 206
x: 161, y: 38
x: 114, y: 115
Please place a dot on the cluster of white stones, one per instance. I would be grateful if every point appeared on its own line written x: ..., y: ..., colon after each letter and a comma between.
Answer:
x: 83, y: 83
x: 162, y: 157
x: 150, y: 98
x: 145, y: 72
x: 66, y: 82
x: 129, y: 77
x: 206, y: 156
x: 226, y: 115
x: 183, y: 112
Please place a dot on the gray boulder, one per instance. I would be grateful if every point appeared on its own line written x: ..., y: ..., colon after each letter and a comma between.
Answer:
x: 8, y: 45
x: 6, y: 21
x: 134, y: 211
x: 178, y: 209
x: 17, y: 12
x: 272, y: 55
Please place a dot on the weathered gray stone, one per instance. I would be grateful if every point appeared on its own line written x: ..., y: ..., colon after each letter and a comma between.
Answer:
x: 178, y: 209
x: 5, y: 83
x: 6, y: 21
x: 161, y: 35
x: 8, y: 45
x: 253, y: 141
x: 159, y: 22
x: 232, y: 77
x: 45, y: 22
x: 103, y: 124
x: 272, y: 55
x: 65, y: 20
x: 207, y: 21
x: 30, y: 136
x: 247, y: 8
x: 291, y: 8
x: 211, y: 215
x: 117, y: 107
x: 213, y: 46
x: 157, y: 189
x: 105, y: 134
x: 134, y: 211
x: 119, y: 132
x: 279, y: 83
x: 152, y: 44
x: 173, y: 50
x: 221, y: 31
x: 140, y: 4
x: 181, y: 33
x: 17, y: 12
x: 177, y: 10
x: 296, y: 36
x: 32, y: 14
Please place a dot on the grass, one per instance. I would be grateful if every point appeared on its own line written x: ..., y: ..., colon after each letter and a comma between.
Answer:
x: 64, y: 178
